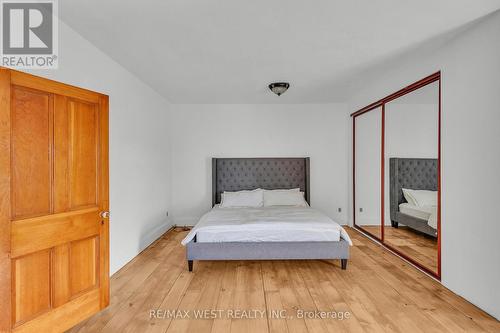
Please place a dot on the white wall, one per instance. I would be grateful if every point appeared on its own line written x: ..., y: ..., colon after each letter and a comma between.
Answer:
x: 205, y: 131
x: 470, y: 65
x: 368, y: 151
x: 139, y: 144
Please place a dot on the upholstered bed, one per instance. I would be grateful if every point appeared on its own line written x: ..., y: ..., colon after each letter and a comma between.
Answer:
x: 236, y: 174
x: 416, y: 174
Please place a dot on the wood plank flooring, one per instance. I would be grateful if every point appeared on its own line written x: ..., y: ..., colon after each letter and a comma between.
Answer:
x: 379, y: 291
x: 418, y: 246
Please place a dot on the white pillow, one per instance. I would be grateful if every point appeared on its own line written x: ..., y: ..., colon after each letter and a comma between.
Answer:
x: 409, y: 198
x: 284, y: 198
x: 421, y: 198
x: 253, y: 198
x: 425, y: 197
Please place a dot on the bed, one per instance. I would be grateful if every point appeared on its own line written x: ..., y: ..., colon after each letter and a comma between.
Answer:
x: 264, y: 233
x: 416, y: 174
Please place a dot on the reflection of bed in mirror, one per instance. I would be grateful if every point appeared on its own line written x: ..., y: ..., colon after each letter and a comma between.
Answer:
x: 414, y: 174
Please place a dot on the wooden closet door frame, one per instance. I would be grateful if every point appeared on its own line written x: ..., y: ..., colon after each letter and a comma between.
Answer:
x: 436, y: 77
x: 9, y: 78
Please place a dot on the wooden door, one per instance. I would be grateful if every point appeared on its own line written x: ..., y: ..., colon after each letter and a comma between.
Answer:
x: 54, y: 258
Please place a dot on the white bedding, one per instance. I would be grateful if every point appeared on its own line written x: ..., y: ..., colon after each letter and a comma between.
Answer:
x: 428, y: 213
x: 266, y: 224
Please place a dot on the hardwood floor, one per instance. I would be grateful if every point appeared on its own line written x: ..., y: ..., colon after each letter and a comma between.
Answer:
x: 380, y: 292
x: 418, y: 246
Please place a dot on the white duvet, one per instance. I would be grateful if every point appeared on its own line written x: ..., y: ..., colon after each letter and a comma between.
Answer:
x: 266, y: 224
x: 432, y: 221
x: 428, y: 213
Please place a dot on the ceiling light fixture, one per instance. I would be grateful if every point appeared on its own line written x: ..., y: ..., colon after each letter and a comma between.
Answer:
x: 279, y: 87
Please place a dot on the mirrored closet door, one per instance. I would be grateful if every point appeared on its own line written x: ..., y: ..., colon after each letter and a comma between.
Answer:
x: 397, y: 198
x: 368, y: 187
x: 411, y: 178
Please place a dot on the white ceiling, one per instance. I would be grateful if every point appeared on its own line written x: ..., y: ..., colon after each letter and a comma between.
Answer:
x: 228, y: 51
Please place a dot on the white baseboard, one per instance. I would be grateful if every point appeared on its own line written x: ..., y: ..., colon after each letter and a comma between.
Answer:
x: 185, y: 221
x: 154, y: 234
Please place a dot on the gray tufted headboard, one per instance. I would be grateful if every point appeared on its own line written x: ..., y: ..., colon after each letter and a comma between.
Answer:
x: 236, y: 174
x: 411, y: 173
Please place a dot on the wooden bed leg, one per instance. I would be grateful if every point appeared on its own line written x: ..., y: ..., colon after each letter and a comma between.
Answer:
x: 343, y: 263
x: 190, y: 265
x: 394, y: 224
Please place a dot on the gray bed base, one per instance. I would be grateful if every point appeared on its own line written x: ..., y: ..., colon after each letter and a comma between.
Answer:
x: 235, y: 174
x: 267, y: 251
x: 412, y: 173
x: 413, y: 223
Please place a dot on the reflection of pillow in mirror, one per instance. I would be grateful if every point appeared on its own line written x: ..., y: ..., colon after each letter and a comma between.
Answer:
x: 409, y: 198
x: 421, y: 197
x: 425, y: 197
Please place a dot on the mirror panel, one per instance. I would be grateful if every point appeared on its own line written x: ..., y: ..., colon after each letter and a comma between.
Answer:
x: 411, y: 163
x: 367, y: 183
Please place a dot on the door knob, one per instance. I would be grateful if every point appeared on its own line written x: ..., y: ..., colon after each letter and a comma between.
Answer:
x: 104, y: 214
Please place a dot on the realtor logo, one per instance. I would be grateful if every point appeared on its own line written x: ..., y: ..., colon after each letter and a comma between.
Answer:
x: 29, y: 34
